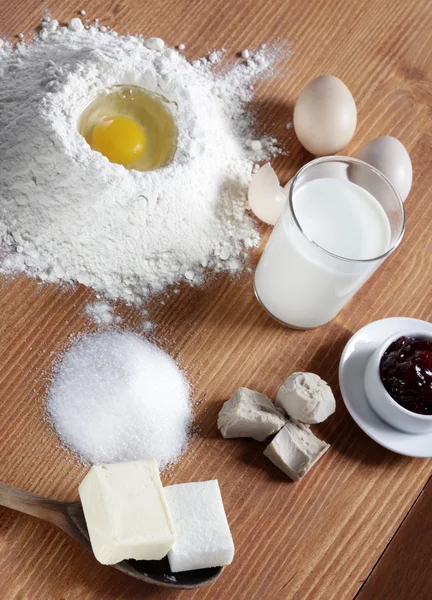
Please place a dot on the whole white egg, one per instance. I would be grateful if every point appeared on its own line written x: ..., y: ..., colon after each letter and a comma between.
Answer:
x: 388, y: 155
x: 325, y: 116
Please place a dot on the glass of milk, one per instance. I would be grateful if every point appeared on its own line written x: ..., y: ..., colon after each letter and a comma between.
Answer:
x: 331, y: 236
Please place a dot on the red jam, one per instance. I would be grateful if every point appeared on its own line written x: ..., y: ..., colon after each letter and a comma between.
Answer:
x: 406, y: 372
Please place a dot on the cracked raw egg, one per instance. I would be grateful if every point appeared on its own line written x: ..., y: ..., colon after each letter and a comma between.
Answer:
x: 121, y: 139
x: 131, y: 127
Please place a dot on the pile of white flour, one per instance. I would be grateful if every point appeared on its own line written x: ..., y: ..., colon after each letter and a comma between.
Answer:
x: 68, y: 214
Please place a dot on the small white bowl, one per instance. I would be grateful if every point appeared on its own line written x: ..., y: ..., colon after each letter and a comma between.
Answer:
x: 383, y: 404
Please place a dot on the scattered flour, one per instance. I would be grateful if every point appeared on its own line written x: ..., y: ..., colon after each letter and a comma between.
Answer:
x: 115, y: 397
x: 76, y: 24
x: 68, y: 214
x: 147, y: 326
x: 102, y: 313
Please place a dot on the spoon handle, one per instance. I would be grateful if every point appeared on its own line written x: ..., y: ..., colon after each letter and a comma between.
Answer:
x: 31, y: 504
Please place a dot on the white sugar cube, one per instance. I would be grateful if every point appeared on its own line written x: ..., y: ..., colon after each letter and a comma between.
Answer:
x: 126, y: 512
x: 203, y: 537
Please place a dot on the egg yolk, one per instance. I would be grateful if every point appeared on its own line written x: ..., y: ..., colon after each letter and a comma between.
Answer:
x: 120, y: 139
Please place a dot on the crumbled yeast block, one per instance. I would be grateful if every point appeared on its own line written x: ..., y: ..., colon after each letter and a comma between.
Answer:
x: 295, y: 450
x: 203, y: 537
x: 126, y: 512
x: 250, y: 414
x: 307, y: 398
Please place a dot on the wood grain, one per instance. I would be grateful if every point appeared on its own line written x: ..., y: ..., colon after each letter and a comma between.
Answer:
x: 404, y: 570
x: 317, y: 539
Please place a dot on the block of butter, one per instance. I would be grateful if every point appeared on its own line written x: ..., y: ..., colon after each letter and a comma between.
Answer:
x: 126, y: 512
x: 203, y: 537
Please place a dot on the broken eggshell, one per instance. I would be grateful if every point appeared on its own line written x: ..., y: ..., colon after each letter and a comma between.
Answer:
x: 265, y: 195
x: 267, y: 198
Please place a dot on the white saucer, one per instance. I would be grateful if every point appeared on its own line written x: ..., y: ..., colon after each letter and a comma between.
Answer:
x: 351, y: 373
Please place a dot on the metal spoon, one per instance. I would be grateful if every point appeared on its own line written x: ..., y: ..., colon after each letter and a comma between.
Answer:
x: 69, y: 517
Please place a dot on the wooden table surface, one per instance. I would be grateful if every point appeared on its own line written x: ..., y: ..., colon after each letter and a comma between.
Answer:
x: 359, y: 525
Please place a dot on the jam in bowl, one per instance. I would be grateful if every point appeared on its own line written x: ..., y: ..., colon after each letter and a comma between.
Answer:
x: 406, y: 372
x: 398, y: 381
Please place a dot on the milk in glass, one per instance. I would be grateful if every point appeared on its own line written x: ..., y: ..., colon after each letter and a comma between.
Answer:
x: 321, y: 251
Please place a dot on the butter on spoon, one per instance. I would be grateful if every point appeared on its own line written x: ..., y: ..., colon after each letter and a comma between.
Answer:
x: 69, y: 517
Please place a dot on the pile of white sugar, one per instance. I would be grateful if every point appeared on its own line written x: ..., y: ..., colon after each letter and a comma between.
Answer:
x: 115, y: 397
x: 68, y: 214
